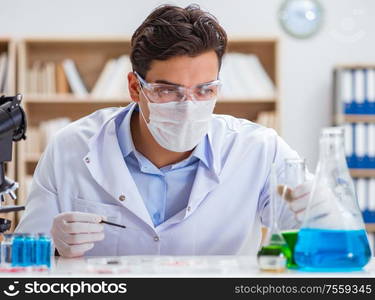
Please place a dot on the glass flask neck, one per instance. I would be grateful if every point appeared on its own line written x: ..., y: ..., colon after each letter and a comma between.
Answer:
x: 332, y: 146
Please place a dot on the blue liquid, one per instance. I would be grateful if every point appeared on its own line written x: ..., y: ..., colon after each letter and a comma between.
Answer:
x: 332, y: 250
x: 17, y: 251
x: 29, y: 252
x: 43, y: 252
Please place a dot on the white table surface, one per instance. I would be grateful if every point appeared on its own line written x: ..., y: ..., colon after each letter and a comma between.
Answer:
x: 175, y: 266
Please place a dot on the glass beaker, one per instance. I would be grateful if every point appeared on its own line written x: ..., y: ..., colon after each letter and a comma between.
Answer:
x: 332, y: 235
x: 294, y: 175
x: 275, y: 254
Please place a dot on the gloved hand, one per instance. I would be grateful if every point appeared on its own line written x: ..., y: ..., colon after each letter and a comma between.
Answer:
x: 324, y: 210
x: 74, y: 233
x: 297, y: 198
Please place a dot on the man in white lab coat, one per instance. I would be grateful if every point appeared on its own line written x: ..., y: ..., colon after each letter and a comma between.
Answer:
x: 182, y: 180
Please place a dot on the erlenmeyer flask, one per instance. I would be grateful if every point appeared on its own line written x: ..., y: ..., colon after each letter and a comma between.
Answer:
x: 332, y: 235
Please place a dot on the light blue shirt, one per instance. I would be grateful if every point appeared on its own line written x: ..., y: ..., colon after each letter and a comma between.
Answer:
x: 165, y: 191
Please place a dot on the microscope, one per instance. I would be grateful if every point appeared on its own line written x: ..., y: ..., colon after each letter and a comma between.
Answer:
x: 12, y: 129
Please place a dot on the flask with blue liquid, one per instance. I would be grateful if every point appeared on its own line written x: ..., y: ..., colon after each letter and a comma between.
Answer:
x: 332, y: 236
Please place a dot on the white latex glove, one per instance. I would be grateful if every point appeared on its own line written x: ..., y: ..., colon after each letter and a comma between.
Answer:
x: 324, y: 210
x: 74, y: 233
x: 297, y: 198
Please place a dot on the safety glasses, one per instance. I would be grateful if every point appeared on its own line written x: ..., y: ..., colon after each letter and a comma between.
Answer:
x: 163, y: 93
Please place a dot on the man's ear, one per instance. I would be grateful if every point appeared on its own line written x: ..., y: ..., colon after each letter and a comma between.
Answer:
x: 133, y: 86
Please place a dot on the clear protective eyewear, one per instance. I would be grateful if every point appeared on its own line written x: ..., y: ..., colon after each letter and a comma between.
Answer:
x: 163, y: 93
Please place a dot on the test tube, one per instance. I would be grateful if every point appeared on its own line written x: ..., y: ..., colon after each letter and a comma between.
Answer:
x: 6, y: 250
x: 17, y: 250
x: 28, y: 256
x: 43, y: 251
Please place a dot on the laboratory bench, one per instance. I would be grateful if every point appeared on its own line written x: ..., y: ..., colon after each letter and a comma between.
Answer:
x: 173, y: 266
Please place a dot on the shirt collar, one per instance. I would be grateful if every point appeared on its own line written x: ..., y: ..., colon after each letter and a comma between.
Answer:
x: 202, y: 151
x: 124, y: 135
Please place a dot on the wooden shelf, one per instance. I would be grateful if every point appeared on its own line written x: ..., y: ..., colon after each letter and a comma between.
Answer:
x: 362, y: 172
x: 355, y: 66
x: 246, y: 101
x: 355, y: 119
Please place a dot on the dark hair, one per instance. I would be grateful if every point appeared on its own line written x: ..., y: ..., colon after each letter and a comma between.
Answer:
x: 173, y: 31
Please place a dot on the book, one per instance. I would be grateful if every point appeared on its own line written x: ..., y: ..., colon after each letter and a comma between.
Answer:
x: 348, y: 131
x: 38, y: 73
x: 244, y: 77
x: 264, y: 85
x: 62, y: 85
x: 347, y: 88
x: 371, y: 145
x: 227, y: 77
x: 360, y: 144
x: 104, y: 79
x: 359, y: 91
x: 112, y: 81
x: 32, y: 79
x: 74, y: 79
x: 118, y: 83
x: 50, y: 73
x: 370, y: 87
x: 371, y: 193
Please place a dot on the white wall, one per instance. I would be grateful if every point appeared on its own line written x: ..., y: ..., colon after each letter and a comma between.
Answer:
x: 346, y: 37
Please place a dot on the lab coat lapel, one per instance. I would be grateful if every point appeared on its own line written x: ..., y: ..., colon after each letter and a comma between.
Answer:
x: 206, y: 179
x: 107, y: 166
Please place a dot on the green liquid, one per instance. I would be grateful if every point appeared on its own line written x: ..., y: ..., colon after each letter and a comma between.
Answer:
x: 291, y: 238
x: 276, y: 250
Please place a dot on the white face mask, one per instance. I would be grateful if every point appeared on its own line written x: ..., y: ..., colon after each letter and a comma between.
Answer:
x: 180, y: 126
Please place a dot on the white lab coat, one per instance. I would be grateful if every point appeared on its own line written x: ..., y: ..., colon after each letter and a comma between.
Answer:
x: 82, y: 169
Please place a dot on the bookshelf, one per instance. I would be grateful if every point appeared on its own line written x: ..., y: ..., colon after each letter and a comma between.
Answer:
x: 90, y: 56
x: 354, y: 97
x: 9, y: 47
